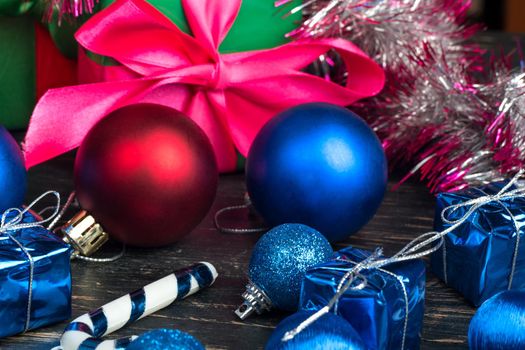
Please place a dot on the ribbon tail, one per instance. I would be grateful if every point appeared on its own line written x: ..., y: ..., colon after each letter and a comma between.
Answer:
x: 365, y: 77
x: 63, y: 117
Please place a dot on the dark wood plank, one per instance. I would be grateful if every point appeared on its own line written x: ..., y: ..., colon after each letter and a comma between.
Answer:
x: 208, y: 315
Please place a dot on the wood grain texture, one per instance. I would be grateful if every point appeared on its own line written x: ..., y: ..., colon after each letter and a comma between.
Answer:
x: 208, y: 315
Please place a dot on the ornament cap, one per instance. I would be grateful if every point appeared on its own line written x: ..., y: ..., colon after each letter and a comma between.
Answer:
x: 84, y: 233
x: 254, y: 300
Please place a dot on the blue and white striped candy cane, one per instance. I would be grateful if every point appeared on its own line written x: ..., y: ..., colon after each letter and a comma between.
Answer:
x: 86, y: 331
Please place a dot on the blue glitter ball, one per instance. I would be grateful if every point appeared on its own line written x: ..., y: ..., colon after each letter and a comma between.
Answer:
x: 499, y: 323
x: 280, y: 259
x: 329, y: 332
x: 165, y: 339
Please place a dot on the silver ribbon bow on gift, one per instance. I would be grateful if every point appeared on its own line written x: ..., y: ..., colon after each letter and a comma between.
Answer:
x: 505, y: 194
x: 16, y: 223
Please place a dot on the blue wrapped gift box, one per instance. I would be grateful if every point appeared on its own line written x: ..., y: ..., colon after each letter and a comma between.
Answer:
x: 476, y: 259
x: 378, y: 311
x: 51, y: 284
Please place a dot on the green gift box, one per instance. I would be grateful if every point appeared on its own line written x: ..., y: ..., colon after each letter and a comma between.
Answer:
x: 259, y: 24
x: 35, y: 56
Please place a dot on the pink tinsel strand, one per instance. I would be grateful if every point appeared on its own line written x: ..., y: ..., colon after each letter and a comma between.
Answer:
x: 68, y: 9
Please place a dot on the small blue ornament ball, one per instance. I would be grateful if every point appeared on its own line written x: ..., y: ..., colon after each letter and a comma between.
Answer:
x: 320, y: 165
x: 165, y: 339
x: 13, y: 174
x: 329, y: 332
x: 499, y: 323
x: 280, y: 259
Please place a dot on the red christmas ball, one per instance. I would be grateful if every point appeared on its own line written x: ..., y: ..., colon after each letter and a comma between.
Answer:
x: 147, y: 174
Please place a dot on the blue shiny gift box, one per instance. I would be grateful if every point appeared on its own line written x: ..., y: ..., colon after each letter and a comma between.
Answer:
x: 50, y: 297
x: 378, y: 311
x: 476, y: 259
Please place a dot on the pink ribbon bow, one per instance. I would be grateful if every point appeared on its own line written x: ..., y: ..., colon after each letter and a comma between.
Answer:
x: 230, y: 96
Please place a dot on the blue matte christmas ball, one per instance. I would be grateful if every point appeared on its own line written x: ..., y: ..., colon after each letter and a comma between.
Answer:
x: 280, y: 259
x: 320, y: 165
x: 13, y: 174
x: 499, y: 323
x: 165, y: 339
x: 329, y: 332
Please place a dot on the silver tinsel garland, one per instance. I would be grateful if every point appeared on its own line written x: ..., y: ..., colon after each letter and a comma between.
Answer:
x: 457, y: 120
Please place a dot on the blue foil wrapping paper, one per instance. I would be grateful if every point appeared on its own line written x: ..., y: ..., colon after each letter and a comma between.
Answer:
x: 478, y: 254
x: 377, y: 312
x: 51, y: 287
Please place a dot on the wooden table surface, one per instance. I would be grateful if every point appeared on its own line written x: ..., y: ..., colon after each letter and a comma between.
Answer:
x: 208, y: 315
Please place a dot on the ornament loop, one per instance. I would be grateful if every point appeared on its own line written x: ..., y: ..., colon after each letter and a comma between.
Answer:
x: 84, y: 233
x: 255, y: 299
x: 246, y: 205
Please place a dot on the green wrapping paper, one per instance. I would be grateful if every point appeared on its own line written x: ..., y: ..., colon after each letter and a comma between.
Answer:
x: 17, y: 70
x: 15, y: 7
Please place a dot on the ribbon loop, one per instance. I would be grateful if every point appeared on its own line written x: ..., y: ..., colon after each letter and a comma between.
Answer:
x: 15, y: 224
x: 474, y: 204
x: 206, y: 26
